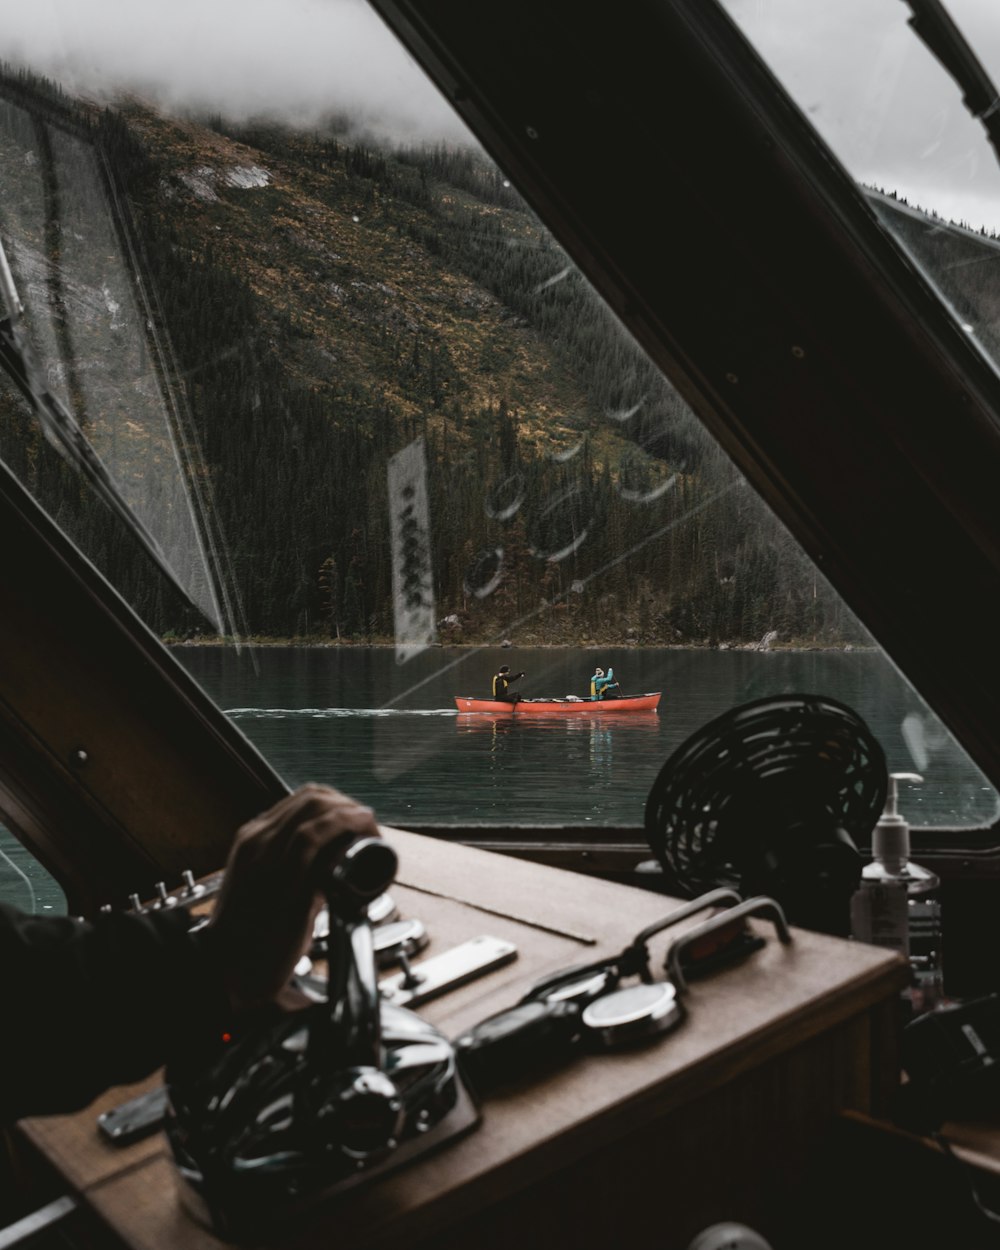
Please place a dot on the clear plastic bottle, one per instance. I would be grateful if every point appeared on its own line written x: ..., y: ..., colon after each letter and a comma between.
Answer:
x: 898, y: 904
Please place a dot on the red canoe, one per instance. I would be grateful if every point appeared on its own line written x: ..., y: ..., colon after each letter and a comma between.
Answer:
x: 561, y: 707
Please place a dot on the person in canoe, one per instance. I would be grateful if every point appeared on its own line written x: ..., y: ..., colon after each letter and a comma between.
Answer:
x: 604, y: 686
x: 501, y: 685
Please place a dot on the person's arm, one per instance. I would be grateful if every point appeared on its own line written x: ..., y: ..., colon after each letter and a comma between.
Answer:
x: 263, y: 918
x: 89, y: 1005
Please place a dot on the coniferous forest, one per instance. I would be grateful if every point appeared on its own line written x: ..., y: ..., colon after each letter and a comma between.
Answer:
x: 310, y: 306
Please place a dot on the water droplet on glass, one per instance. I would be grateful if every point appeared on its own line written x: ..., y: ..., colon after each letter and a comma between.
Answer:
x: 562, y: 525
x: 485, y: 572
x: 504, y: 500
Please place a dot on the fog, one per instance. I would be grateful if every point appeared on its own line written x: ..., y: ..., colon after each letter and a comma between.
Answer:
x: 298, y: 60
x: 875, y: 93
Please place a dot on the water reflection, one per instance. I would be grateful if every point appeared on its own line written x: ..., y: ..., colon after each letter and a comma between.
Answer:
x: 577, y: 721
x: 585, y: 738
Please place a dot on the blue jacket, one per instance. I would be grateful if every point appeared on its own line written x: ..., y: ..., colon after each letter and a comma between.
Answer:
x: 599, y: 684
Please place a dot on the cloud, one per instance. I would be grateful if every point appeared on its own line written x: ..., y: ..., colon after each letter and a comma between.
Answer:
x: 299, y: 60
x: 880, y: 99
x: 875, y: 93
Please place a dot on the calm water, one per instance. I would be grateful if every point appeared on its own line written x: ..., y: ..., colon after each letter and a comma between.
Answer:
x: 390, y: 734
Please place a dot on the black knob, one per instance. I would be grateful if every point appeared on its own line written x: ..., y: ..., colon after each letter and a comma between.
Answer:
x: 363, y: 872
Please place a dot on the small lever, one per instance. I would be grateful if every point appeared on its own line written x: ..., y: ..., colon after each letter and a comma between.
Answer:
x: 752, y: 907
x: 163, y: 897
x: 191, y: 887
x: 411, y: 979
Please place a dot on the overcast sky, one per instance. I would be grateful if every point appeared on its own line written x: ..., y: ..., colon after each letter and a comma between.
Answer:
x: 875, y: 93
x: 296, y: 58
x: 881, y: 100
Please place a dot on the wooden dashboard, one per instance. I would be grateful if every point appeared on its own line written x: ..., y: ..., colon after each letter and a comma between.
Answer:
x: 712, y: 1121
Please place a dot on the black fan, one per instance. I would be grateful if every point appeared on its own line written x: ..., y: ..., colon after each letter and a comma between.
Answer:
x: 769, y: 799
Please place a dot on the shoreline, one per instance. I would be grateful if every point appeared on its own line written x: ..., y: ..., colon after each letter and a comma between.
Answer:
x: 583, y: 645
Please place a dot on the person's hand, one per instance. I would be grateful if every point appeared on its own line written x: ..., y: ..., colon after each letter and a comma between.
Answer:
x: 263, y: 918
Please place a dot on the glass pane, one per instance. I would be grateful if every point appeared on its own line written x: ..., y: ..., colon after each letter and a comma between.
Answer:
x: 429, y: 446
x: 99, y: 360
x: 24, y: 883
x: 897, y: 120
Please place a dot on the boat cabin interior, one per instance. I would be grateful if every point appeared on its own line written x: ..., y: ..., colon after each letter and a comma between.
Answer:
x: 664, y: 335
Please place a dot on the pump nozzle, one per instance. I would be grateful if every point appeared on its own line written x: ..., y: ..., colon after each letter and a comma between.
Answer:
x: 891, y: 837
x: 893, y: 795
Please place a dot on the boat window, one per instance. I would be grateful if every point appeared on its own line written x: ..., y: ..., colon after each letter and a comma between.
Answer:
x: 384, y: 436
x: 875, y: 77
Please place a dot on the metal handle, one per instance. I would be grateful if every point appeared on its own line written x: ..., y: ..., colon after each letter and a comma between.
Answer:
x: 360, y: 875
x: 752, y: 907
x: 719, y: 897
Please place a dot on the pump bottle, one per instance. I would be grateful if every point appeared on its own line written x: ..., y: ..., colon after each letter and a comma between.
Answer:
x: 898, y: 905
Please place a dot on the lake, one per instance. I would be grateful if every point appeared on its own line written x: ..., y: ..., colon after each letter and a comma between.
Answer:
x: 389, y: 733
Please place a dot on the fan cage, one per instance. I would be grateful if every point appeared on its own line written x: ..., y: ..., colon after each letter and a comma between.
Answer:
x: 760, y: 780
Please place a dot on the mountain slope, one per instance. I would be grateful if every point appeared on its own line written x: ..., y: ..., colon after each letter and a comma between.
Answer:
x: 313, y: 306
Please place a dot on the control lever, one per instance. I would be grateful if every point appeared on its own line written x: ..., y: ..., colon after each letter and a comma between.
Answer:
x: 360, y: 875
x: 411, y: 980
x: 306, y: 1102
x: 192, y: 888
x: 361, y: 1108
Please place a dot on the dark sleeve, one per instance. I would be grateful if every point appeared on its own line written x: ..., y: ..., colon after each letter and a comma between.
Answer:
x: 90, y: 1005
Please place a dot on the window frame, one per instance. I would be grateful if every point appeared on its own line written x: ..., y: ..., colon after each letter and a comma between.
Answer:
x: 786, y: 268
